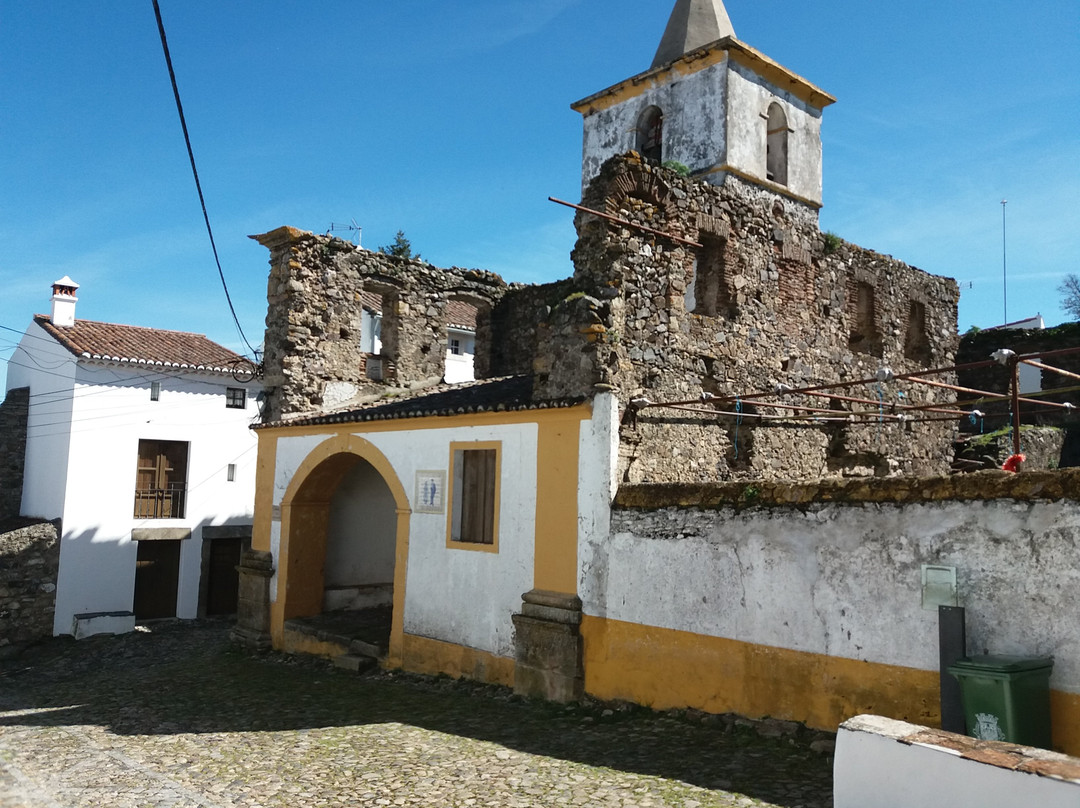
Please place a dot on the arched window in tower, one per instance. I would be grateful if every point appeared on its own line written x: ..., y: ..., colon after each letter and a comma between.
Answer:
x: 776, y: 149
x: 650, y: 134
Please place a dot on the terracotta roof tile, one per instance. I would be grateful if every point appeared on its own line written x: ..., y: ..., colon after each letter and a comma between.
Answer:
x: 88, y: 339
x: 458, y: 313
x: 506, y: 394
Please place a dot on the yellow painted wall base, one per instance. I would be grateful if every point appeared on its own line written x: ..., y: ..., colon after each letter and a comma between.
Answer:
x: 664, y: 669
x: 1065, y: 722
x: 296, y: 642
x: 424, y: 655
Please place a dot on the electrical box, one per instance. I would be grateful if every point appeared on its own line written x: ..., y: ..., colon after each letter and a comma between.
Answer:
x: 938, y: 586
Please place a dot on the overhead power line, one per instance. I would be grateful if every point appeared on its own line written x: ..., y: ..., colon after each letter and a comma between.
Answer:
x: 195, y: 174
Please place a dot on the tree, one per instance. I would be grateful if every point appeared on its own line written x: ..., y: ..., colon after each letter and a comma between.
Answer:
x: 1070, y: 291
x: 401, y: 248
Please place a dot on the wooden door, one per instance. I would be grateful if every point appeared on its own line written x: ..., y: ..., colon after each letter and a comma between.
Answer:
x: 157, y: 578
x: 223, y: 584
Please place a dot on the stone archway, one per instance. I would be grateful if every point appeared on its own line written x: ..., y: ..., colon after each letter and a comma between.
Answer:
x: 338, y: 477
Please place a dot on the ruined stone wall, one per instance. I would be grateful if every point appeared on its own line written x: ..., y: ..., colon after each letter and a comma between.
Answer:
x: 516, y: 324
x: 29, y: 561
x: 313, y: 358
x: 1041, y: 446
x: 13, y: 419
x: 995, y: 378
x: 759, y: 304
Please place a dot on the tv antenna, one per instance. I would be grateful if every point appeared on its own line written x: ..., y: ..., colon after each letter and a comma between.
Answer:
x: 336, y: 227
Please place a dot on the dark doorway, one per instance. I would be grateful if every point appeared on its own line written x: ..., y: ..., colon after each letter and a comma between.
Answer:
x: 157, y: 574
x: 223, y: 581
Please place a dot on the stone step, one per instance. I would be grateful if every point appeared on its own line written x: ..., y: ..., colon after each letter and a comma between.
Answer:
x: 363, y: 648
x: 354, y: 662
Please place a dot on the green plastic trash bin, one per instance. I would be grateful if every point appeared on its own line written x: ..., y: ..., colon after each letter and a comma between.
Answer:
x: 1006, y: 698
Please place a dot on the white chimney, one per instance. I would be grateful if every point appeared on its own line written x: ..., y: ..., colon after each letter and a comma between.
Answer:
x: 63, y: 302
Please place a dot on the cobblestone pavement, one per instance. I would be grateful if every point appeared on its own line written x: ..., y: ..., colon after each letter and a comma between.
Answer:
x: 178, y: 716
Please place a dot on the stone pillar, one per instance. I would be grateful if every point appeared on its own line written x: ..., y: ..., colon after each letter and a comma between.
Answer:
x: 253, y: 605
x: 549, y: 648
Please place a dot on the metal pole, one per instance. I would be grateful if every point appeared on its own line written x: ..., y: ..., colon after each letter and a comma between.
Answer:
x: 1016, y: 404
x: 1004, y: 276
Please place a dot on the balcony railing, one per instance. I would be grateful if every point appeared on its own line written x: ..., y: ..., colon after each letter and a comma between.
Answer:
x: 161, y: 503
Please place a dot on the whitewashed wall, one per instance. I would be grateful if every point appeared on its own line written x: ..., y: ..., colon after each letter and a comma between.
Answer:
x: 845, y: 580
x: 712, y: 117
x: 361, y: 542
x: 48, y: 369
x: 749, y: 97
x: 598, y: 451
x: 694, y: 123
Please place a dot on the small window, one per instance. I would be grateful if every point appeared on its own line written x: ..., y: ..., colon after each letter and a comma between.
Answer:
x: 474, y: 495
x: 455, y: 347
x: 650, y: 134
x: 155, y: 391
x: 712, y: 292
x: 776, y: 148
x: 230, y: 474
x: 235, y: 398
x: 865, y: 337
x: 916, y: 343
x: 161, y: 479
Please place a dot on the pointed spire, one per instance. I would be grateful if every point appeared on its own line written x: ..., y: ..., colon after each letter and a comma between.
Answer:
x: 693, y: 23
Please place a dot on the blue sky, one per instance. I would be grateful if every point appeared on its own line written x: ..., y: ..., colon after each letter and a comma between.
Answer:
x: 451, y: 121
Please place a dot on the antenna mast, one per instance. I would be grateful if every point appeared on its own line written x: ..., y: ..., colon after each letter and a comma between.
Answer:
x: 1004, y: 276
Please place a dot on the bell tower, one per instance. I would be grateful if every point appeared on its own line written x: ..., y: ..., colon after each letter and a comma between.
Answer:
x: 714, y: 104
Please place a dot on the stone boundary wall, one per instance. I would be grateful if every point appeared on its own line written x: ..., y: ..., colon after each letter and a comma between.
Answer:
x: 977, y: 347
x: 893, y: 764
x: 990, y: 485
x: 14, y: 412
x: 812, y: 592
x: 29, y: 561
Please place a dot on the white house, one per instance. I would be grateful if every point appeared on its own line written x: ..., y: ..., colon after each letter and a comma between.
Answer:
x: 138, y: 439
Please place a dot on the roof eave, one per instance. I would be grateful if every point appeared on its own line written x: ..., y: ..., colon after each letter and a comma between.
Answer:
x: 740, y: 52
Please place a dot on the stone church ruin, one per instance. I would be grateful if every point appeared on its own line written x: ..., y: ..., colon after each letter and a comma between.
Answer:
x: 703, y: 293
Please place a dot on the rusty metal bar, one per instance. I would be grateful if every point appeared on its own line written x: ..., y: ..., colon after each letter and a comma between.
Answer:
x: 846, y: 416
x: 993, y: 396
x: 1035, y: 364
x: 617, y: 220
x: 1014, y: 369
x: 960, y: 389
x: 835, y: 385
x: 892, y: 405
x: 1044, y: 354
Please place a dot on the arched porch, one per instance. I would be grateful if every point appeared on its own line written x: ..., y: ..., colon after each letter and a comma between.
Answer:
x: 342, y: 555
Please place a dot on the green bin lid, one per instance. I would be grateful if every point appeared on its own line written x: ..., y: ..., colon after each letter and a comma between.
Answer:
x: 1000, y: 664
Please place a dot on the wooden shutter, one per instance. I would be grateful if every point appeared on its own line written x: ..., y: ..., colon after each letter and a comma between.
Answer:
x: 478, y: 496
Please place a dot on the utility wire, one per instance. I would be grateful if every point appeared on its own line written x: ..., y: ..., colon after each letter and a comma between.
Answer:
x: 195, y: 174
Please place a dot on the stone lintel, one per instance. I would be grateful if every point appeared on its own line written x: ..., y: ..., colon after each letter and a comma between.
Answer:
x: 226, y: 532
x: 160, y: 534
